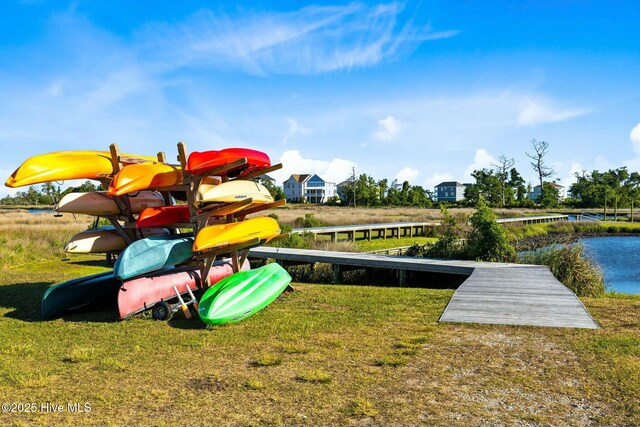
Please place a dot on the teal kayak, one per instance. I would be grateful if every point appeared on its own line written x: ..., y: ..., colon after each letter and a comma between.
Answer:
x: 243, y: 294
x: 151, y: 254
x: 79, y: 293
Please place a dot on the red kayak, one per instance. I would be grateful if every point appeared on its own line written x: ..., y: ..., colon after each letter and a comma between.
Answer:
x: 163, y: 215
x: 138, y: 295
x: 201, y: 162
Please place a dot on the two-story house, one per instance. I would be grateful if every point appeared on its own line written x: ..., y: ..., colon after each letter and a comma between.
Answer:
x: 537, y: 191
x: 450, y: 191
x: 308, y: 188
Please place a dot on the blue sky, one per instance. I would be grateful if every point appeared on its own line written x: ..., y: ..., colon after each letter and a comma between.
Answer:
x: 425, y: 91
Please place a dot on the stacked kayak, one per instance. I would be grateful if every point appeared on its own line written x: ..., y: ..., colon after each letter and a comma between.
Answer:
x: 159, y: 264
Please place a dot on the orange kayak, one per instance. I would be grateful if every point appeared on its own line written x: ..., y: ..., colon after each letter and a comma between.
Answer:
x: 219, y: 236
x: 66, y: 165
x: 144, y: 176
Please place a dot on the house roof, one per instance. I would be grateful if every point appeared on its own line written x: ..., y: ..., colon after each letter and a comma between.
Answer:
x: 267, y: 177
x: 449, y: 184
x: 300, y: 177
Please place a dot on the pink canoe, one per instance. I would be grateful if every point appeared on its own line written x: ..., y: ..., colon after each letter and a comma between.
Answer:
x: 138, y: 295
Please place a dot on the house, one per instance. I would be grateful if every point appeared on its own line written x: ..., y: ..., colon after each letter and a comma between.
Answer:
x: 450, y: 191
x: 266, y: 177
x: 308, y: 188
x: 536, y: 193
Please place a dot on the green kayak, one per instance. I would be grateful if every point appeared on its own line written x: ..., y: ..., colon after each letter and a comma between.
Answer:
x: 79, y: 293
x: 243, y: 294
x: 151, y: 254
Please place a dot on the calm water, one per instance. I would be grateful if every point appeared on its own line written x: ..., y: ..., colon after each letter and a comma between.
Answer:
x: 619, y: 258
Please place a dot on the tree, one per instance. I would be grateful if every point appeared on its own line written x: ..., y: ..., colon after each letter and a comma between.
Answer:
x: 487, y: 187
x: 550, y: 196
x: 517, y: 183
x: 540, y: 148
x: 504, y: 164
x: 276, y: 191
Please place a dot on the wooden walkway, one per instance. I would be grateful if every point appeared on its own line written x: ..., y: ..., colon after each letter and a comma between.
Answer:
x: 404, y: 229
x: 493, y: 293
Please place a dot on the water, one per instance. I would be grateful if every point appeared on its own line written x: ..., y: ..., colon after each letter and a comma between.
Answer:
x: 39, y: 211
x: 618, y: 258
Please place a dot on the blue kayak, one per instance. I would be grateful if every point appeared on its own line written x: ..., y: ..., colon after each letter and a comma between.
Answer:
x: 151, y: 254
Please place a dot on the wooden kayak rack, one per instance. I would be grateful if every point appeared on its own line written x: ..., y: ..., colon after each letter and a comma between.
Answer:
x: 125, y: 223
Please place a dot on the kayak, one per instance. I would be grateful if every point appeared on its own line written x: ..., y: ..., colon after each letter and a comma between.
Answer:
x: 66, y: 165
x: 80, y: 293
x: 152, y: 253
x: 231, y: 192
x: 142, y: 293
x: 98, y: 203
x: 220, y: 235
x: 243, y: 294
x: 103, y: 240
x: 144, y: 176
x: 163, y: 215
x: 201, y: 162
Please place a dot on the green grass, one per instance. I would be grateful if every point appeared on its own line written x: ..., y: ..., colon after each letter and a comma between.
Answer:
x: 380, y: 244
x: 322, y: 355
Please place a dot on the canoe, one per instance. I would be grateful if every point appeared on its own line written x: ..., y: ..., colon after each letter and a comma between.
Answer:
x: 201, y: 162
x: 231, y: 192
x: 152, y: 253
x: 103, y: 240
x: 80, y: 293
x: 243, y: 294
x: 144, y: 176
x: 221, y: 235
x: 98, y: 203
x: 163, y: 215
x: 66, y: 165
x: 142, y: 293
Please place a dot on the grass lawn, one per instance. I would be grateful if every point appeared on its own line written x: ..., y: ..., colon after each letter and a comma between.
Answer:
x: 325, y: 354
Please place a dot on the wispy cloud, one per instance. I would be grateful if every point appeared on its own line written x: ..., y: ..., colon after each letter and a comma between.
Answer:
x: 294, y: 129
x: 314, y: 39
x: 543, y: 111
x: 388, y: 129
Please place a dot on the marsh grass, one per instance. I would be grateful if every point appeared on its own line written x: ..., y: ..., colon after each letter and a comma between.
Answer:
x: 336, y: 215
x: 26, y: 237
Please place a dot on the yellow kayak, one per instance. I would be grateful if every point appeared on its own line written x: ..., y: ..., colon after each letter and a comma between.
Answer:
x: 65, y: 165
x: 231, y: 192
x: 219, y: 236
x: 144, y: 176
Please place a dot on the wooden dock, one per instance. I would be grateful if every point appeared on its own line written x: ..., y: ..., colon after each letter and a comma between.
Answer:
x: 493, y: 293
x: 404, y: 229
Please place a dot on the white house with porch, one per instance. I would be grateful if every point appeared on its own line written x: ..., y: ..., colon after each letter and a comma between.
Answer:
x: 308, y: 188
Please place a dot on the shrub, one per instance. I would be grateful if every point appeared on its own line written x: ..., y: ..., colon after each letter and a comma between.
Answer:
x: 487, y: 241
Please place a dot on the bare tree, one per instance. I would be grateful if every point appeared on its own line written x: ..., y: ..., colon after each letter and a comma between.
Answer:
x: 538, y: 165
x: 504, y: 165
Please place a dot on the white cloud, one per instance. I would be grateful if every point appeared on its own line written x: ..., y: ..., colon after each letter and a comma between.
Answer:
x: 294, y: 129
x: 436, y: 179
x: 314, y: 39
x: 544, y: 111
x: 634, y: 136
x: 407, y: 174
x: 335, y: 170
x: 388, y: 129
x: 481, y: 160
